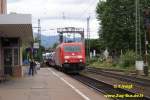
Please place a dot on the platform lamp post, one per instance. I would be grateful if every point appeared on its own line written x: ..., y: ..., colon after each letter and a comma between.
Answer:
x: 88, y: 37
x: 39, y: 39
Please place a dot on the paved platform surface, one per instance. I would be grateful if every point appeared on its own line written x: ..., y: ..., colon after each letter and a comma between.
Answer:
x: 48, y: 84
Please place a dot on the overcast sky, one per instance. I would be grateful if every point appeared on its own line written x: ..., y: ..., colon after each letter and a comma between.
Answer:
x: 58, y: 13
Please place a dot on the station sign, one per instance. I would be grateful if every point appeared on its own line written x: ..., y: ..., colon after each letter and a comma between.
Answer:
x: 36, y: 45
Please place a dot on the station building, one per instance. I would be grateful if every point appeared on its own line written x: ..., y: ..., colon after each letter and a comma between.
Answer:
x: 15, y: 33
x: 3, y: 6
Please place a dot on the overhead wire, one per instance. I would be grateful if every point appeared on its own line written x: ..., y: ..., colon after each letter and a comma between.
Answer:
x: 92, y: 2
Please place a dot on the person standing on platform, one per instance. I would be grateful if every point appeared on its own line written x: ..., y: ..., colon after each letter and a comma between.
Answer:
x: 32, y: 66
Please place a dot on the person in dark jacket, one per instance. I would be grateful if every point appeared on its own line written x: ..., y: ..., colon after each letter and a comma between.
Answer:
x: 32, y: 67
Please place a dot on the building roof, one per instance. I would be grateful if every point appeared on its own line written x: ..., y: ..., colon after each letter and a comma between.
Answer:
x: 17, y: 25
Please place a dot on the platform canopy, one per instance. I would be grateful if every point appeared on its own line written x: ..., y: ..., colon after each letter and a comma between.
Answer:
x: 17, y: 25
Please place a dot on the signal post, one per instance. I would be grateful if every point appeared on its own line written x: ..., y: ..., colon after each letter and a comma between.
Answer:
x: 147, y: 37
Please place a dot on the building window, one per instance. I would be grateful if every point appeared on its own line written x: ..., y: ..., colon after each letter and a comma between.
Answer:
x: 10, y: 42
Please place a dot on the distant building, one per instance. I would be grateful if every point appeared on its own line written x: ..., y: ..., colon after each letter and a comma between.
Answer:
x: 3, y: 6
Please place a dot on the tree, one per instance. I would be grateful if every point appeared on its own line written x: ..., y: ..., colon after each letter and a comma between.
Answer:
x: 38, y: 52
x: 117, y: 23
x: 95, y: 44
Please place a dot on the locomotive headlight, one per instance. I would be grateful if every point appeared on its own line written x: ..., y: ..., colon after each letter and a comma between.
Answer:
x: 66, y: 61
x: 66, y: 57
x: 79, y: 56
x: 80, y: 60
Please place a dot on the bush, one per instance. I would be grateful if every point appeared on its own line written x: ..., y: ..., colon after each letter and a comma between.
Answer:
x: 128, y: 59
x: 91, y: 61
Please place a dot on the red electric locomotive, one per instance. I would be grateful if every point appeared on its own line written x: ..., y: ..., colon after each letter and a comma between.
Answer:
x: 70, y: 57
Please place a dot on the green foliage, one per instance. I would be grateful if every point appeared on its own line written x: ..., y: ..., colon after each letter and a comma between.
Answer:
x: 101, y: 64
x: 38, y: 54
x: 148, y: 59
x: 117, y: 23
x: 42, y: 48
x: 36, y: 39
x: 24, y: 54
x: 91, y: 61
x: 95, y: 44
x: 55, y: 45
x: 128, y: 59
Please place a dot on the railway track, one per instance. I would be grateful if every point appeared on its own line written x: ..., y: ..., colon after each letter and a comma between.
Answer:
x: 108, y: 90
x: 126, y: 78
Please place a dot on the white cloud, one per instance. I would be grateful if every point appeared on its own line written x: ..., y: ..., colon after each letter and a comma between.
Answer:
x: 51, y: 12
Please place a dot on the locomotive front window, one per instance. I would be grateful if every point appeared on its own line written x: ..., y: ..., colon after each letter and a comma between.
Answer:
x: 72, y: 48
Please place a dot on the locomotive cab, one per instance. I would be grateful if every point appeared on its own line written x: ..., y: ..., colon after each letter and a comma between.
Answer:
x: 74, y: 57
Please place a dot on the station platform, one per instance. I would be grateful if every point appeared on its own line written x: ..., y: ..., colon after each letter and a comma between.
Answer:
x: 47, y: 84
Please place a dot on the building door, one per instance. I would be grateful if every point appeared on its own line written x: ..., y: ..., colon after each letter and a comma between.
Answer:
x: 11, y: 59
x: 10, y: 49
x: 8, y: 59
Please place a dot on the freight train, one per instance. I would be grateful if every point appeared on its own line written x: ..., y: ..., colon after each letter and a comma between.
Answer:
x: 69, y: 57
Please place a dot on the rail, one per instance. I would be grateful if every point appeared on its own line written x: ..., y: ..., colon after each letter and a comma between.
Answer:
x: 108, y: 89
x: 127, y: 78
